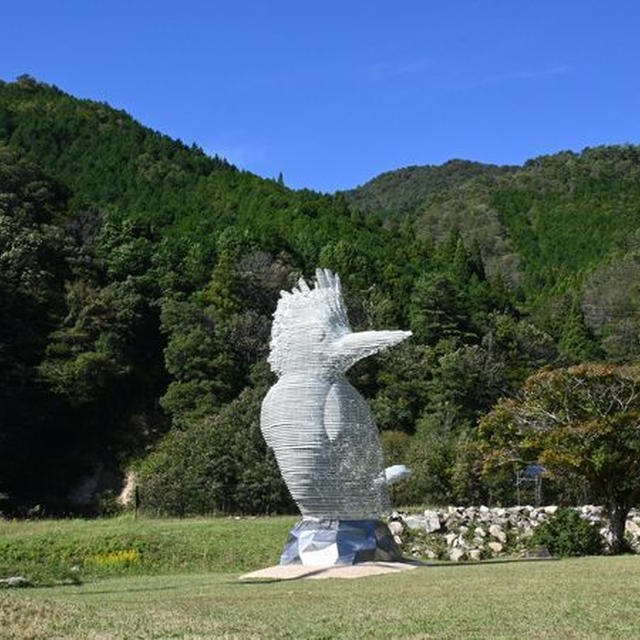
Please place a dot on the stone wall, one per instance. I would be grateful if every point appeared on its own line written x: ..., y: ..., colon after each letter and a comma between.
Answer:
x: 477, y: 533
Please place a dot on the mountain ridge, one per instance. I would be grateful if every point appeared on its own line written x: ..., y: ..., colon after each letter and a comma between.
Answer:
x: 139, y: 276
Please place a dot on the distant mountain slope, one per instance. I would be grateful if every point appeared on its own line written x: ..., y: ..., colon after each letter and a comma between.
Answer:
x: 406, y: 190
x: 542, y: 224
x: 568, y: 212
x: 108, y: 159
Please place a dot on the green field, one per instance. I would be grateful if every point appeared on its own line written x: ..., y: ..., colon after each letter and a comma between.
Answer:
x: 584, y: 598
x: 596, y: 597
x: 49, y: 551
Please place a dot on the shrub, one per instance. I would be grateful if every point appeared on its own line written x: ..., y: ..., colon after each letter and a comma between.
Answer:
x: 217, y: 464
x: 567, y: 534
x: 108, y: 504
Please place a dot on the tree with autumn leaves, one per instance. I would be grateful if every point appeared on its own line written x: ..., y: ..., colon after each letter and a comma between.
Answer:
x: 578, y: 422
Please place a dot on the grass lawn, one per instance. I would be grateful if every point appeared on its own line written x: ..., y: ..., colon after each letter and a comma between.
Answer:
x: 178, y: 579
x: 577, y: 598
x: 48, y: 551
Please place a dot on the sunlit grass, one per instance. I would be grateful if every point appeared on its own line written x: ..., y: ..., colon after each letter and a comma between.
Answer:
x: 48, y: 551
x: 581, y: 598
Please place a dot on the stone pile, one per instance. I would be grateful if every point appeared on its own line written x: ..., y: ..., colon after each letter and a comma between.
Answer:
x: 476, y: 533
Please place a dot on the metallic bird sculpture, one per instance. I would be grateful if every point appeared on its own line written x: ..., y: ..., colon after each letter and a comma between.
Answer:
x: 322, y: 433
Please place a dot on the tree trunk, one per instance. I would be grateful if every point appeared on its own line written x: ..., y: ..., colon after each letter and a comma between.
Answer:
x: 617, y: 522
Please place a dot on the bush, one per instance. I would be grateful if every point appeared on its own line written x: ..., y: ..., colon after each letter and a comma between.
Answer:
x: 567, y: 534
x: 218, y: 464
x: 108, y: 504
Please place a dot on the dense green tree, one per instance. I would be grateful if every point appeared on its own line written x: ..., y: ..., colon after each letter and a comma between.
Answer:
x: 402, y: 380
x: 582, y: 421
x: 436, y: 457
x: 439, y: 311
x: 32, y: 272
x: 576, y: 341
x: 218, y: 464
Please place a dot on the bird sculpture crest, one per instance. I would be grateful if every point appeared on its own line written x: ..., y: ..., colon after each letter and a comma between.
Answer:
x: 320, y: 428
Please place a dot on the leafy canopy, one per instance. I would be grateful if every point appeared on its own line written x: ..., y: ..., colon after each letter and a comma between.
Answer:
x: 579, y: 421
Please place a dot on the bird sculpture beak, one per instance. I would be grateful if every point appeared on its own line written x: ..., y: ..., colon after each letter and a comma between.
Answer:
x: 354, y: 346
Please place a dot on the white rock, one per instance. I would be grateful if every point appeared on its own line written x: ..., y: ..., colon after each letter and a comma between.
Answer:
x: 456, y: 554
x: 496, y: 547
x: 396, y: 527
x: 607, y: 534
x: 460, y: 542
x: 591, y: 509
x: 414, y: 522
x: 15, y: 581
x: 450, y: 538
x: 496, y: 531
x: 431, y: 521
x: 551, y: 509
x: 475, y: 554
x: 479, y: 532
x: 397, y: 539
x: 632, y: 528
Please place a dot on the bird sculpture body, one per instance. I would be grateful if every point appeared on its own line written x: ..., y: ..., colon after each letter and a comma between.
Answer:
x: 320, y: 428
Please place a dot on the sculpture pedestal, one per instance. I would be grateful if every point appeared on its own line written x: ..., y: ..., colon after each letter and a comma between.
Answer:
x: 331, y: 542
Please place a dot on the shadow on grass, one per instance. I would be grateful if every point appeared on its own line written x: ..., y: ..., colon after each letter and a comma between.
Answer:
x: 484, y: 563
x: 112, y: 591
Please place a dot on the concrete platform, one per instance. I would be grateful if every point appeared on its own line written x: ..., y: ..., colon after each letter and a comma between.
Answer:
x: 311, y: 572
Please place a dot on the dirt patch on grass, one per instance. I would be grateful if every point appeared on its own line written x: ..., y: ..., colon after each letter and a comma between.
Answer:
x: 298, y: 571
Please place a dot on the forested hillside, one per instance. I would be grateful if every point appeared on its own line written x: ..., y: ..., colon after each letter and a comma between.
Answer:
x: 138, y: 277
x: 562, y: 231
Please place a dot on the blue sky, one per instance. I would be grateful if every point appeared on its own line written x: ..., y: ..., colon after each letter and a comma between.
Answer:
x: 333, y: 93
